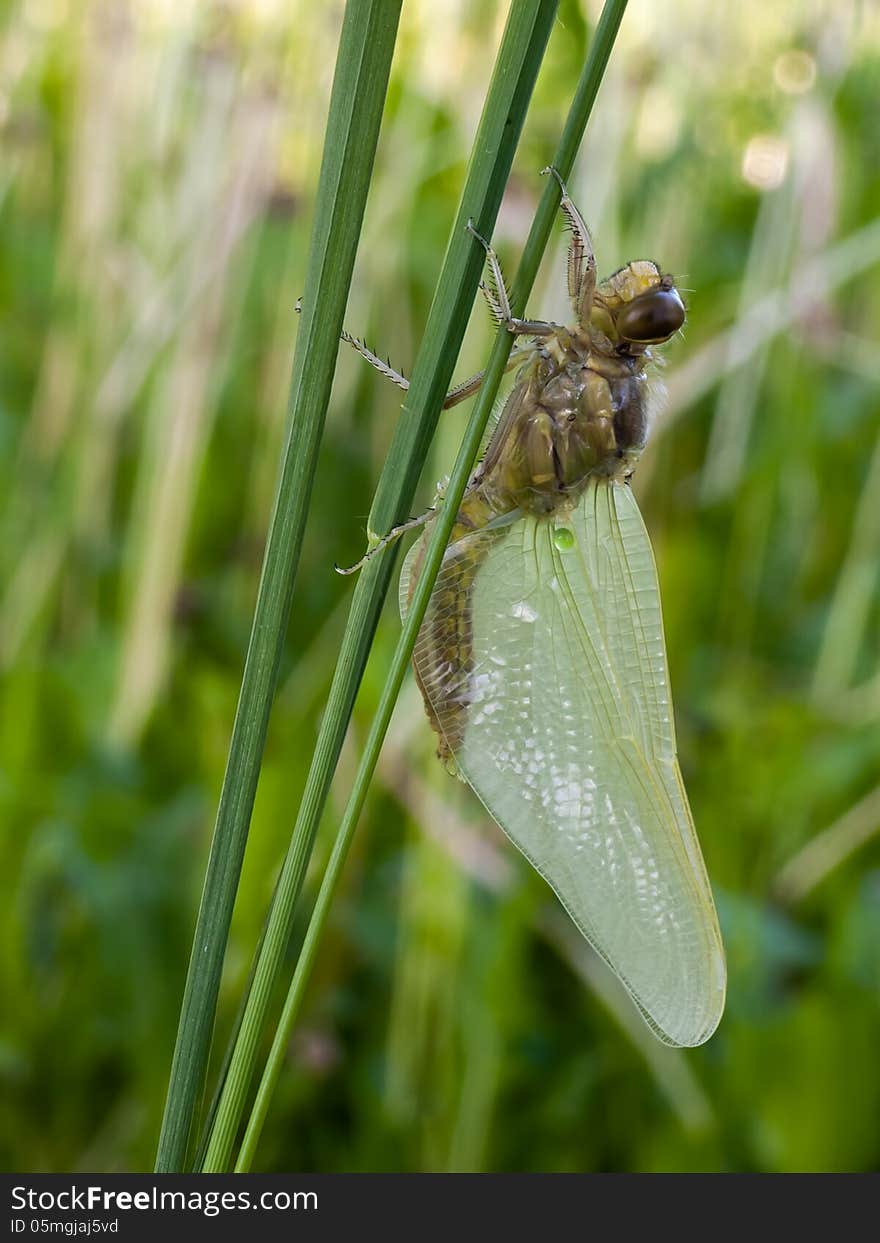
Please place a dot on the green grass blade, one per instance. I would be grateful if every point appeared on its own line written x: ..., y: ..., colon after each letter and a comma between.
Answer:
x: 363, y: 62
x: 576, y: 122
x: 519, y: 57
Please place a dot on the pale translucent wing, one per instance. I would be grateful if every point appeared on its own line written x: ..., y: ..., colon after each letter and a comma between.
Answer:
x: 559, y: 716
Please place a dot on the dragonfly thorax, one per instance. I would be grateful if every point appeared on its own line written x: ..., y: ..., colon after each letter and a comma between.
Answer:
x: 578, y: 409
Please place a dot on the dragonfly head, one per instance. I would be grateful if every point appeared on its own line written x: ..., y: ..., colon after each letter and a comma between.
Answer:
x: 638, y: 306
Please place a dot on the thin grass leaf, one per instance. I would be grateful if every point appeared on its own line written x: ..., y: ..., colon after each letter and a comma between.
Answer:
x: 536, y: 244
x: 363, y: 63
x: 519, y: 57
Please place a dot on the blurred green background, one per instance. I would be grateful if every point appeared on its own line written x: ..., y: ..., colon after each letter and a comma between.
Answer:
x: 159, y: 161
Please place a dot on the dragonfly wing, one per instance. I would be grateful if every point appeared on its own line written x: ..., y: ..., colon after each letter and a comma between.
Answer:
x: 556, y: 707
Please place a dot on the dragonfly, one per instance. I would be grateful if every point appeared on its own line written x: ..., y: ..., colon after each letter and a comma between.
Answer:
x: 541, y: 657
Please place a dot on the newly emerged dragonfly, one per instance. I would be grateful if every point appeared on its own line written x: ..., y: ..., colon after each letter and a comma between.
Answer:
x: 541, y: 658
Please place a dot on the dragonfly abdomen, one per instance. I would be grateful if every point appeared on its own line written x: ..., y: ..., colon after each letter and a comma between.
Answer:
x: 444, y: 650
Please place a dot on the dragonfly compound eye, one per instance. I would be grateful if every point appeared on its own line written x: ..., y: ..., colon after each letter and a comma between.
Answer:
x: 653, y: 317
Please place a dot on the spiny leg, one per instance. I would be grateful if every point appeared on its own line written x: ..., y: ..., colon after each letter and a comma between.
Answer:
x: 393, y: 535
x: 382, y: 366
x: 496, y: 310
x: 581, y: 260
x: 455, y: 395
x: 499, y: 300
x: 493, y: 304
x: 472, y: 384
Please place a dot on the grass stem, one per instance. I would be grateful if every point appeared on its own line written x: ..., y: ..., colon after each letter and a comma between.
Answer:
x: 363, y: 63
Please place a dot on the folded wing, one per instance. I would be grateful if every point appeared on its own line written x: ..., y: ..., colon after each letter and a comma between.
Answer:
x: 555, y: 703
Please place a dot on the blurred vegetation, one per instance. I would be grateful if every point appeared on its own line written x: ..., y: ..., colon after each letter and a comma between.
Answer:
x: 159, y: 162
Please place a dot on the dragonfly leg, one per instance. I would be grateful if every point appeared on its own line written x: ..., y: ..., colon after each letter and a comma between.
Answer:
x: 455, y: 395
x: 499, y: 300
x: 495, y: 308
x: 377, y: 543
x: 462, y: 391
x: 472, y: 384
x: 383, y: 366
x: 581, y: 260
